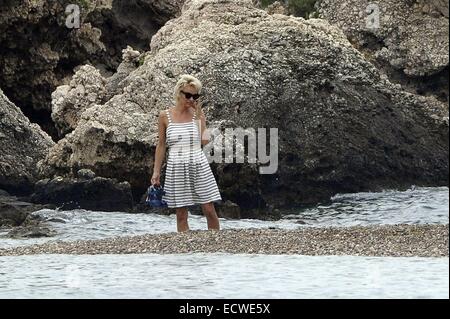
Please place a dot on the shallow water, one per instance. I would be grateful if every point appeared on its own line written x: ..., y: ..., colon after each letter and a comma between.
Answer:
x: 229, y: 275
x: 421, y: 205
x: 417, y: 205
x: 222, y: 276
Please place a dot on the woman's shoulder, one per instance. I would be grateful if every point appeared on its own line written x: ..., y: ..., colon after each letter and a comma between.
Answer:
x: 164, y: 112
x: 163, y: 117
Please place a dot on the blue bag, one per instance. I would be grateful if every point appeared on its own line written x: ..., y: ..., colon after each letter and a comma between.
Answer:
x: 154, y: 196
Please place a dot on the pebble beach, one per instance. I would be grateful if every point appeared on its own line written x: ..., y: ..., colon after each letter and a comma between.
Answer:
x: 385, y: 240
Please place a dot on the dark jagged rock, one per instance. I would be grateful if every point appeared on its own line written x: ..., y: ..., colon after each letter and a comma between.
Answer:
x: 15, y: 216
x: 15, y: 211
x: 31, y: 231
x: 97, y: 194
x: 11, y: 215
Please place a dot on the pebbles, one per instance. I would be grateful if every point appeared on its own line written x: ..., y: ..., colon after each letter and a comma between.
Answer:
x: 388, y: 240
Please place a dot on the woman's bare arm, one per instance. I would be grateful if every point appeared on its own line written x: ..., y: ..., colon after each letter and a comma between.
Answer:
x: 204, y: 132
x: 161, y: 146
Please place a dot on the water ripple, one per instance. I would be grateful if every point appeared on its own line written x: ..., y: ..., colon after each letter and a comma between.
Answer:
x: 418, y: 205
x: 222, y: 276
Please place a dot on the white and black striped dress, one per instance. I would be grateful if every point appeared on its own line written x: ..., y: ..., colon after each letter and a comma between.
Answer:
x: 189, y: 179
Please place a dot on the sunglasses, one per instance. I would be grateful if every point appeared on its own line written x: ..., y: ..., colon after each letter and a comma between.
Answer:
x: 189, y: 95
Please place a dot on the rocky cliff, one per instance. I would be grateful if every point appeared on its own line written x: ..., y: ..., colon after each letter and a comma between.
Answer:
x: 41, y: 46
x: 407, y: 40
x: 343, y: 126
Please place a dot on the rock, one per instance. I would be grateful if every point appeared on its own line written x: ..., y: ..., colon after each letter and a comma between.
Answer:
x: 22, y: 145
x: 131, y: 59
x: 85, y: 174
x: 278, y: 8
x: 86, y: 89
x: 122, y: 138
x: 11, y: 215
x: 342, y: 125
x: 15, y: 212
x: 3, y: 193
x: 409, y: 43
x: 32, y: 231
x: 437, y: 8
x: 40, y: 48
x: 229, y: 210
x: 97, y: 194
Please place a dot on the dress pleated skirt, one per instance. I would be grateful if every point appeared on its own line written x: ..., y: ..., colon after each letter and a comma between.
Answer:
x: 189, y: 180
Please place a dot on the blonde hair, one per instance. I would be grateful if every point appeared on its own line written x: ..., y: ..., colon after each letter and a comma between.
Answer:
x: 187, y: 79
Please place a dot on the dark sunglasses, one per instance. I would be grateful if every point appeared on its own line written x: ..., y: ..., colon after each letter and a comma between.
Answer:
x: 189, y: 95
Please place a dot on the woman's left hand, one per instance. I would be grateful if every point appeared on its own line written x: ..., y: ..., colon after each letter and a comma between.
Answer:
x: 197, y: 109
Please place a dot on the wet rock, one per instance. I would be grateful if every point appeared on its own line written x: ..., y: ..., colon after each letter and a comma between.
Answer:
x: 17, y: 218
x: 97, y: 194
x: 229, y: 210
x: 11, y: 215
x: 31, y: 231
x: 3, y: 193
x: 16, y: 212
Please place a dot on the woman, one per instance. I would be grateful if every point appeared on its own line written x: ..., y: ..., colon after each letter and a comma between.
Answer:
x: 189, y: 179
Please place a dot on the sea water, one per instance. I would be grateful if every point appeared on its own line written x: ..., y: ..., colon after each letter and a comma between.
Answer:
x: 201, y: 275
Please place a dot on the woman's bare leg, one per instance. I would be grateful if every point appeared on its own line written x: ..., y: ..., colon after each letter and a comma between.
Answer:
x: 211, y: 217
x: 182, y: 219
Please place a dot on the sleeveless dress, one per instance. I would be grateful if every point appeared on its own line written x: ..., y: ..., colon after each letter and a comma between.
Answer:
x: 189, y: 179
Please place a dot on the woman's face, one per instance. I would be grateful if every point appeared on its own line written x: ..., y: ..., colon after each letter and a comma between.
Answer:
x: 185, y: 101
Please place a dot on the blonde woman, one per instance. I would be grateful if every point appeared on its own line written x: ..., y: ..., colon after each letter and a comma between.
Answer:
x: 189, y: 179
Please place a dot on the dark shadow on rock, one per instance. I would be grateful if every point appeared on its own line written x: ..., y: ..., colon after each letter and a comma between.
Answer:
x: 97, y: 194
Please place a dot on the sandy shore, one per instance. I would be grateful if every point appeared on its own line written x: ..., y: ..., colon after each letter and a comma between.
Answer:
x: 392, y: 240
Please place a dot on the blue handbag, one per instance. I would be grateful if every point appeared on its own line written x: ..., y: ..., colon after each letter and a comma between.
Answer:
x: 154, y: 196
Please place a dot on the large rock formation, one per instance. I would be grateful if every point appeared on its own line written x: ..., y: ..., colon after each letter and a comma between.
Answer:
x: 342, y: 125
x: 408, y: 40
x: 22, y: 145
x: 39, y: 51
x: 87, y: 88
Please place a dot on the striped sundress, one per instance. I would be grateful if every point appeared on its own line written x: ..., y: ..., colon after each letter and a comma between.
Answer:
x: 189, y: 179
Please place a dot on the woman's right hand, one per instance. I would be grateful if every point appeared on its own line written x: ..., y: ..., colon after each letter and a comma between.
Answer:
x: 155, y: 179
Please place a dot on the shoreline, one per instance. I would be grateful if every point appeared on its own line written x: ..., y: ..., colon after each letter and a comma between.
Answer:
x: 386, y: 240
